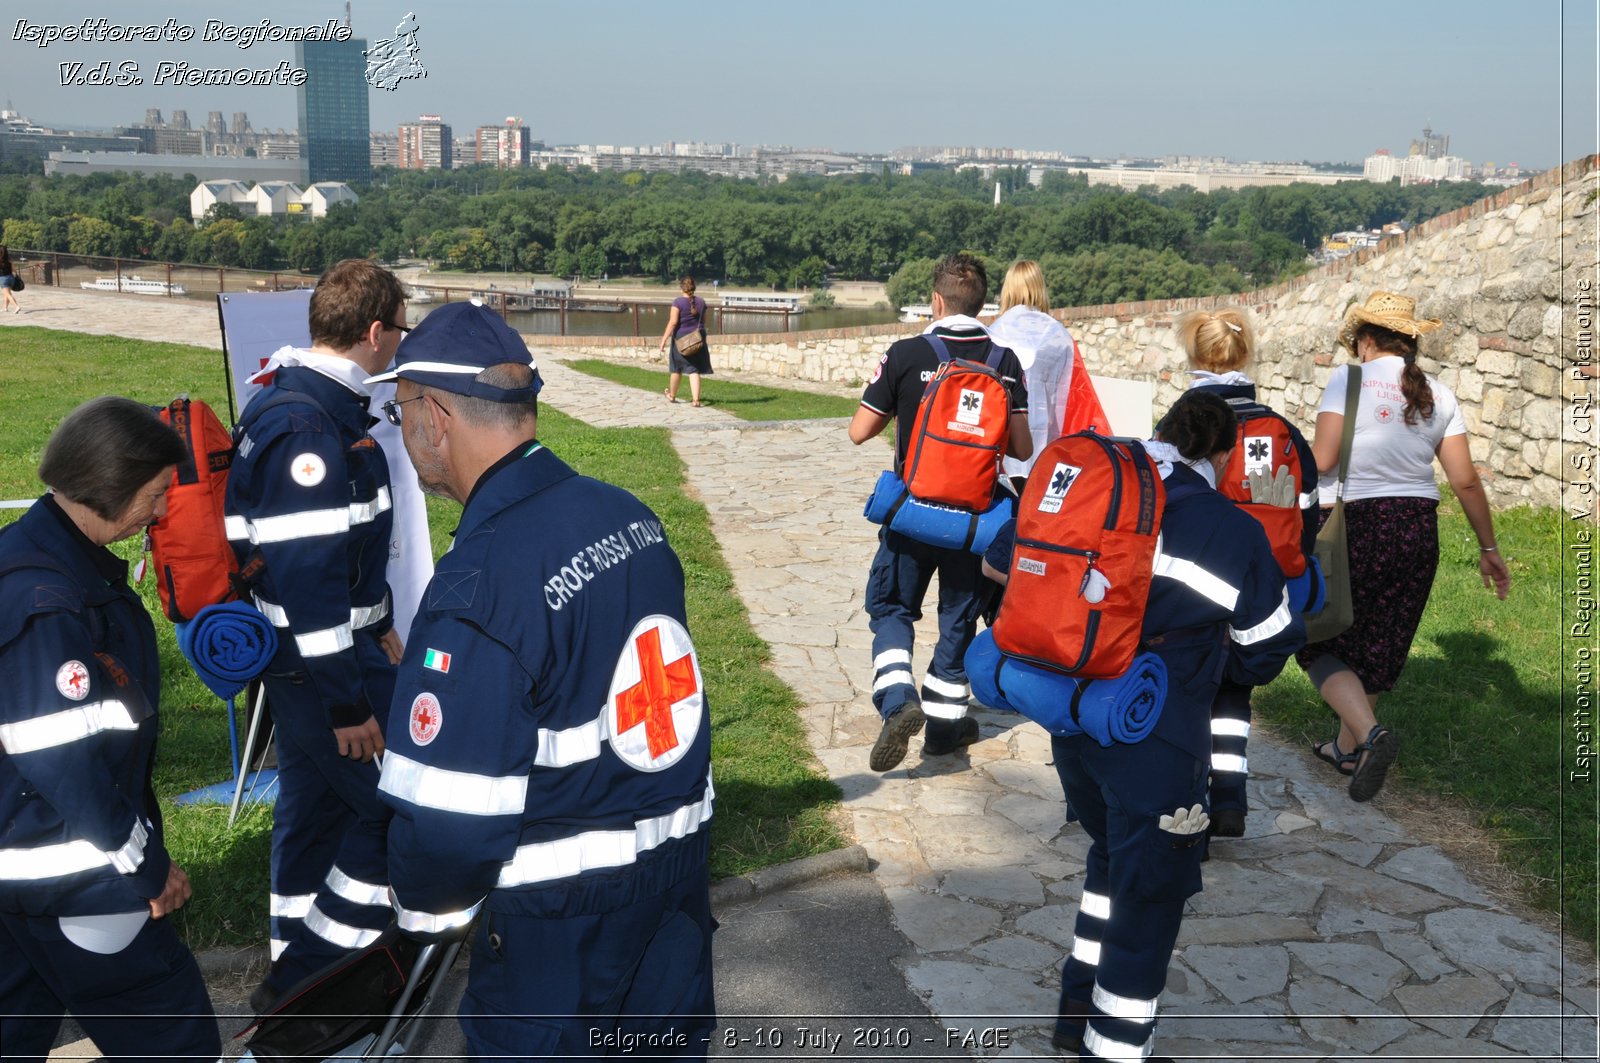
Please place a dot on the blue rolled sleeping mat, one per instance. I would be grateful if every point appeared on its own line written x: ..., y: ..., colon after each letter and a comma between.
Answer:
x: 955, y: 529
x: 1124, y: 709
x: 228, y: 645
x: 1308, y: 592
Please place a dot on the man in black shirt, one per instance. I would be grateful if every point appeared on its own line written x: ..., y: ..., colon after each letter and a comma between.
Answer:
x: 903, y: 567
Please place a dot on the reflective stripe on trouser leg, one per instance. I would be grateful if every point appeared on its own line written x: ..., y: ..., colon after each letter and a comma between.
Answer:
x: 1230, y: 732
x: 943, y: 699
x: 892, y: 682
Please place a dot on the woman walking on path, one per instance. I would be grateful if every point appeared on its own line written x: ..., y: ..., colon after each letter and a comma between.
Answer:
x: 8, y: 281
x: 686, y: 329
x: 1061, y: 397
x: 1404, y: 421
x: 1219, y: 344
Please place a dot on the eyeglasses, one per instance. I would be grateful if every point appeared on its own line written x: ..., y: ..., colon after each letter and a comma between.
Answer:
x: 402, y: 328
x: 391, y: 409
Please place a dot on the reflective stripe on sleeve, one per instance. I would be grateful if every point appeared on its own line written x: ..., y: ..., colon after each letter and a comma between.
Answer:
x: 128, y: 858
x: 326, y: 642
x: 367, y: 512
x: 573, y: 745
x: 355, y: 891
x: 1229, y: 762
x: 1197, y: 579
x: 1280, y: 619
x: 434, y: 923
x: 1221, y: 725
x: 278, y: 948
x: 1308, y: 500
x: 452, y: 791
x: 236, y: 527
x: 1132, y: 1009
x: 1095, y: 905
x: 308, y: 524
x: 361, y: 616
x: 68, y: 725
x: 566, y: 857
x: 340, y: 934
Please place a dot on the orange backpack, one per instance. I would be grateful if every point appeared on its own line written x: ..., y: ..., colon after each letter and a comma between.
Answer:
x: 1265, y: 445
x: 962, y: 427
x: 195, y: 563
x: 1083, y: 560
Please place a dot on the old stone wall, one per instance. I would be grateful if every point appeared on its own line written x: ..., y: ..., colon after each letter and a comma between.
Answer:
x: 1501, y: 273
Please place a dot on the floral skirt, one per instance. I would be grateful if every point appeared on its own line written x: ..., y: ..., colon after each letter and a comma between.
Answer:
x: 1394, y: 552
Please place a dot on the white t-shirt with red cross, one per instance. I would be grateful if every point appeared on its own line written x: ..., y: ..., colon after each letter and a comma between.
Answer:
x: 1388, y: 457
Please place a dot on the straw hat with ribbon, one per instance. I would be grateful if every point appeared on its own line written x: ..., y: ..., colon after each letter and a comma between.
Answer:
x: 1397, y: 313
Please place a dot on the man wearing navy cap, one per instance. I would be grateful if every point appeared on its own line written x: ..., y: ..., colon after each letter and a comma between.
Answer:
x: 549, y: 759
x: 309, y: 504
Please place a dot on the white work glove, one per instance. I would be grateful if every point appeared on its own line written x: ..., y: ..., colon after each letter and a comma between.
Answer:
x: 1277, y: 490
x: 1186, y: 821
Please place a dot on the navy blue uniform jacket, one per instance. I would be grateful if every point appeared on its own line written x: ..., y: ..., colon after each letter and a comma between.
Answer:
x: 549, y: 746
x: 80, y: 831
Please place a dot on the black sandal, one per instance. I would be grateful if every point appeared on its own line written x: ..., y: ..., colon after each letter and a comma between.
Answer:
x: 1380, y: 749
x: 1344, y: 763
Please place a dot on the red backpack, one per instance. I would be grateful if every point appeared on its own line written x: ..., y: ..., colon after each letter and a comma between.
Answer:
x: 962, y: 427
x: 1266, y: 445
x: 1083, y: 560
x: 195, y: 564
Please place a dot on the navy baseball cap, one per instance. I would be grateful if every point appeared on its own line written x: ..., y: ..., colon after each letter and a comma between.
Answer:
x: 455, y: 343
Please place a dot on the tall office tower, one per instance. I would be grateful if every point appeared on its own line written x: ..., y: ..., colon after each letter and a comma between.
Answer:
x: 152, y: 117
x: 180, y: 120
x: 332, y: 104
x: 241, y: 122
x: 215, y: 124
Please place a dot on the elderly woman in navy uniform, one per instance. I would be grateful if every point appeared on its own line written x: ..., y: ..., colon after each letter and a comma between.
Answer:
x: 85, y: 882
x: 1217, y: 608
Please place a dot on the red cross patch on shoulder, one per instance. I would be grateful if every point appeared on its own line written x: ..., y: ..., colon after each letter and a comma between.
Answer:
x: 426, y: 718
x: 657, y: 698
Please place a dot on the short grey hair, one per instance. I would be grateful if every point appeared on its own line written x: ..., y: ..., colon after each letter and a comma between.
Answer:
x: 483, y: 413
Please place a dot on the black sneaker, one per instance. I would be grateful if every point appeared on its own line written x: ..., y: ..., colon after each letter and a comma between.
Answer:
x: 1227, y: 823
x: 890, y: 748
x: 951, y: 736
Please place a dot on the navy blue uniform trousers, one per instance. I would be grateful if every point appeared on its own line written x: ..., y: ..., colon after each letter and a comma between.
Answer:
x: 150, y: 993
x: 1138, y: 878
x: 327, y: 816
x: 896, y: 586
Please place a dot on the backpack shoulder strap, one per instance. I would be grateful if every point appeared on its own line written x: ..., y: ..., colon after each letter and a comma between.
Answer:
x: 938, y: 345
x: 996, y: 352
x: 279, y: 397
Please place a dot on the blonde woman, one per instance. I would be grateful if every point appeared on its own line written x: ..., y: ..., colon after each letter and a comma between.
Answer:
x: 1218, y: 345
x: 685, y: 324
x: 1061, y: 399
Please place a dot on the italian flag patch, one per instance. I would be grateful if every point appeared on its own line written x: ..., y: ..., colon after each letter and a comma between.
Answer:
x: 438, y: 660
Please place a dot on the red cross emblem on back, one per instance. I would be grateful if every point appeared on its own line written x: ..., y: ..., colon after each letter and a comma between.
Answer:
x: 656, y: 683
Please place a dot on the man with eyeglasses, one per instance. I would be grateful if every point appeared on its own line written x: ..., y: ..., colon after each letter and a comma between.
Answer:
x: 549, y: 763
x: 309, y: 503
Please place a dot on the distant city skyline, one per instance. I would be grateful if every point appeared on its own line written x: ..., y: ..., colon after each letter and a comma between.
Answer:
x: 1245, y: 79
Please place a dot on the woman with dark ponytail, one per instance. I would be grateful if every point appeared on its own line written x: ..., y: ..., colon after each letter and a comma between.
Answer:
x: 1405, y: 419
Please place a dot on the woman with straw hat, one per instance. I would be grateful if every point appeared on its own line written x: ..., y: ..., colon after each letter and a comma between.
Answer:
x: 1405, y: 419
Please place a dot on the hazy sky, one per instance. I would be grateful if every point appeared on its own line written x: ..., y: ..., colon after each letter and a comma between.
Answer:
x: 1249, y: 79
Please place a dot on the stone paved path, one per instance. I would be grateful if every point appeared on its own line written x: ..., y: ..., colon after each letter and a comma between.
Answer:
x: 1326, y: 933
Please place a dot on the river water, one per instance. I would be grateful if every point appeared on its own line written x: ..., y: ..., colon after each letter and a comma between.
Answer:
x: 651, y: 320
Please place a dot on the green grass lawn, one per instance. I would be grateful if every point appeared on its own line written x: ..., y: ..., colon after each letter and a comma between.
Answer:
x: 772, y: 804
x: 1479, y: 708
x: 749, y: 402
